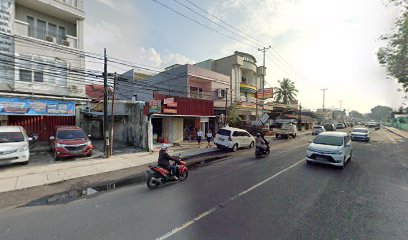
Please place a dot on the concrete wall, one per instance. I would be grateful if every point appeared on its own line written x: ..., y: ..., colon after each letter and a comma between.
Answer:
x: 173, y: 129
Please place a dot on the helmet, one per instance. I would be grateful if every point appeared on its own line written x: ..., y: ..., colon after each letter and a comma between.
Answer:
x: 258, y: 134
x: 164, y: 146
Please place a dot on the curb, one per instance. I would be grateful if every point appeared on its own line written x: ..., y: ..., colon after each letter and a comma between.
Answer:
x: 21, y: 197
x: 395, y: 132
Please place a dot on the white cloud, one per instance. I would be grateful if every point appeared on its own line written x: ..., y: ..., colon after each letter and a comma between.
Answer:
x: 176, y: 58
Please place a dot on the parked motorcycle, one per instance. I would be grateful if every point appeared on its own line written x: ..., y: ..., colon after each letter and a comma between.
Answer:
x: 159, y: 175
x: 34, y: 139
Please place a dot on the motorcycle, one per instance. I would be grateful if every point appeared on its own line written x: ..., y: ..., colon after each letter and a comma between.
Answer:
x: 259, y: 152
x: 159, y: 175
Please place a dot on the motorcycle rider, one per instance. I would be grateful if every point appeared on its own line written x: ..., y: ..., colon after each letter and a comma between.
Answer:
x: 260, y: 142
x: 164, y: 160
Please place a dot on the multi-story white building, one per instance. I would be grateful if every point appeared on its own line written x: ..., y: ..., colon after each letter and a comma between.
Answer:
x: 246, y: 78
x: 41, y: 57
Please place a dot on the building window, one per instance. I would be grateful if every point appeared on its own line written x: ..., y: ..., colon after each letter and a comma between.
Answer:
x: 40, y: 69
x: 31, y: 26
x: 196, y: 92
x: 41, y: 30
x: 47, y: 31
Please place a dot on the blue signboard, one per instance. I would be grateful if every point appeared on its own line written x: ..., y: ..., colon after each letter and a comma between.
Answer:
x: 36, y: 107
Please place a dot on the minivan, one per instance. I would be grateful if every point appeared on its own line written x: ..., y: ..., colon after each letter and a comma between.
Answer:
x: 233, y: 138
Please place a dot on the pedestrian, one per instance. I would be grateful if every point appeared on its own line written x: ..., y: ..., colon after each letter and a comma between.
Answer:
x: 200, y: 134
x: 209, y: 137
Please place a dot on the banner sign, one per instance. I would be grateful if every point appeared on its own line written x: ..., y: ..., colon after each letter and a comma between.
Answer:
x: 267, y: 93
x: 34, y: 107
x: 169, y: 110
x: 155, y: 106
x: 168, y: 100
x: 172, y: 105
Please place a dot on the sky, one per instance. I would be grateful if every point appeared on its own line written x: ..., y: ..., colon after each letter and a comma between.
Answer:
x: 316, y: 43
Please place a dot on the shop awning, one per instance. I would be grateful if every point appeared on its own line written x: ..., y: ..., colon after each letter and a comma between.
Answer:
x: 178, y: 115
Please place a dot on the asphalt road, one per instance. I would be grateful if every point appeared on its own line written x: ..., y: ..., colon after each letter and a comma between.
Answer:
x: 279, y: 197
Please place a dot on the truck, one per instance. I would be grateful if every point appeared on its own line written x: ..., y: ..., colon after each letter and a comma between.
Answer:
x: 286, y: 130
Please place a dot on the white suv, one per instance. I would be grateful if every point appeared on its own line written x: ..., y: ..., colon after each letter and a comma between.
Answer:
x: 14, y: 145
x: 332, y: 148
x: 233, y: 138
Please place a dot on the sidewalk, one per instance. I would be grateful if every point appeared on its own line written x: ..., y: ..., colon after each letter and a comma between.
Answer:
x: 30, y: 182
x: 398, y: 132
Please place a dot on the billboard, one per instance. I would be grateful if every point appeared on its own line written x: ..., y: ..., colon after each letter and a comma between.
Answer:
x: 155, y: 106
x: 267, y: 93
x: 36, y: 107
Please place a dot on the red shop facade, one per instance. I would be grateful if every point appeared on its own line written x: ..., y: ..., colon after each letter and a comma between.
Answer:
x: 177, y: 119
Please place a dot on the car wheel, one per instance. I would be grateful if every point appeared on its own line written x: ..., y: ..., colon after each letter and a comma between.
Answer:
x: 294, y: 135
x: 351, y: 155
x: 252, y: 145
x: 218, y: 146
x: 277, y: 135
x: 343, y: 164
x: 235, y: 148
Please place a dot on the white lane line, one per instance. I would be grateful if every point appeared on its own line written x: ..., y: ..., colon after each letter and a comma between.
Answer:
x: 213, y: 209
x: 390, y: 138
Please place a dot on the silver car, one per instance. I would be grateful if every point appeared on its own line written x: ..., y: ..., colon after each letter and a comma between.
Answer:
x: 317, y: 130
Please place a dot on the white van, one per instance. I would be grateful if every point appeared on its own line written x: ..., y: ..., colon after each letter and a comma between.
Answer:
x: 14, y: 145
x: 233, y: 138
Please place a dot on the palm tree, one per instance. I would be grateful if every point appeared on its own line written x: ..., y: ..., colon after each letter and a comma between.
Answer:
x: 286, y: 93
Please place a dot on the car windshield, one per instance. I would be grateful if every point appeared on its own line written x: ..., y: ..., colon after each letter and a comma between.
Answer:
x: 224, y: 132
x: 329, y: 140
x: 360, y: 130
x: 6, y: 137
x: 71, y: 134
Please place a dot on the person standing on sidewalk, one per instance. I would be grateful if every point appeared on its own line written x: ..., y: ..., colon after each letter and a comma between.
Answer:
x: 209, y: 137
x: 200, y: 135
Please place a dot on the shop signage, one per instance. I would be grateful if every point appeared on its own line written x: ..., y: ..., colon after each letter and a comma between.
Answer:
x: 155, y: 106
x: 168, y: 100
x: 204, y: 119
x: 169, y: 110
x: 172, y: 105
x: 33, y: 107
x: 264, y: 118
x: 267, y: 93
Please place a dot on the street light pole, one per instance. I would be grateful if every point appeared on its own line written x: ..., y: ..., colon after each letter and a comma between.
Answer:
x: 264, y: 49
x: 324, y: 95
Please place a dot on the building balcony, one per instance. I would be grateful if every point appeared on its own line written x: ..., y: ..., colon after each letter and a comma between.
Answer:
x: 69, y: 11
x: 23, y: 29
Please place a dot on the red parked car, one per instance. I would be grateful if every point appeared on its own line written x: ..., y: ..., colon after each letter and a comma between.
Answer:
x: 70, y: 141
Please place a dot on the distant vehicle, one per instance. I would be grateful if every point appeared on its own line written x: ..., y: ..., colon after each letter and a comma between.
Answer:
x: 377, y: 127
x: 70, y: 141
x: 360, y: 134
x: 371, y: 124
x: 329, y: 127
x: 352, y: 124
x: 14, y: 145
x: 340, y: 125
x: 233, y: 138
x: 317, y: 130
x: 332, y: 148
x: 286, y: 130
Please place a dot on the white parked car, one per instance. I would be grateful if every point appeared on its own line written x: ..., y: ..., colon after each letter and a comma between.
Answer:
x: 233, y: 138
x: 317, y: 130
x: 360, y: 134
x: 14, y: 145
x: 332, y: 148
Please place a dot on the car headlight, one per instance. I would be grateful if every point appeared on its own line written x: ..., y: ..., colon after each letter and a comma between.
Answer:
x: 59, y: 145
x: 22, y: 149
x: 339, y: 152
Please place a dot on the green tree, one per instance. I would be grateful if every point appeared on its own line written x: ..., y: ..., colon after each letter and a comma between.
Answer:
x: 381, y: 113
x: 287, y: 91
x: 355, y: 114
x: 234, y: 120
x: 394, y: 56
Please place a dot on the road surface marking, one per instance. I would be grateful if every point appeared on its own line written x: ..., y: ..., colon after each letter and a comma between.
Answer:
x: 212, y: 210
x: 390, y: 138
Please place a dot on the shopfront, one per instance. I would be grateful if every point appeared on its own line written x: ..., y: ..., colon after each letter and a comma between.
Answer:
x: 177, y: 119
x: 37, y: 115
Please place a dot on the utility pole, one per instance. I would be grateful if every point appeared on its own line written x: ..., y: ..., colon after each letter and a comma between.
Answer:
x: 324, y: 95
x: 264, y: 49
x: 300, y: 117
x: 226, y: 106
x: 112, y: 115
x: 105, y: 105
